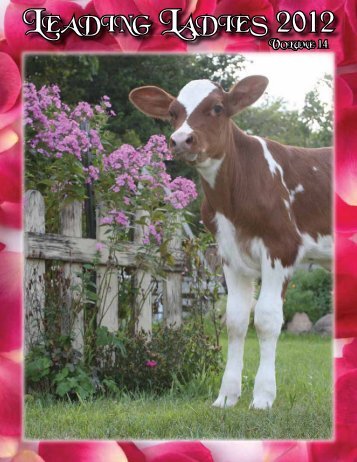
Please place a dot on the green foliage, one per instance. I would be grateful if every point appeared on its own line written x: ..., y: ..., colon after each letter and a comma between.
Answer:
x: 57, y: 370
x: 169, y: 358
x: 309, y: 292
x: 153, y: 364
x: 317, y: 115
x: 75, y: 73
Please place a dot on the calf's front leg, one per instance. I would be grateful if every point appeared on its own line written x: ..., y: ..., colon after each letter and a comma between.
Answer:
x: 239, y: 303
x: 268, y: 319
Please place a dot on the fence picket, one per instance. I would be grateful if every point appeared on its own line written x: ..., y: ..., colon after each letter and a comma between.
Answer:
x: 172, y: 296
x: 142, y: 283
x: 108, y: 287
x: 71, y: 225
x: 34, y: 270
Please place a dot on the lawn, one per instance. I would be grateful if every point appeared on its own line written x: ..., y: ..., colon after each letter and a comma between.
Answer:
x: 302, y: 410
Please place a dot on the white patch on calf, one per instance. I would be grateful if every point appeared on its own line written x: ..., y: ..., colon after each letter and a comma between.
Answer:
x: 299, y: 189
x: 318, y: 251
x: 272, y: 163
x: 209, y: 168
x: 231, y: 251
x: 315, y: 169
x: 194, y: 93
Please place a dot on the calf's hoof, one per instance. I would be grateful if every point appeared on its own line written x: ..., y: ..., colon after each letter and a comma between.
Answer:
x: 262, y: 402
x: 226, y: 401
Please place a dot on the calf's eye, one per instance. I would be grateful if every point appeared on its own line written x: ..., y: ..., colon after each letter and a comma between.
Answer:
x: 217, y: 109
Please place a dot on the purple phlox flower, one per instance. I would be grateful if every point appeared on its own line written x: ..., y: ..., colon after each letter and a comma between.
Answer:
x: 99, y: 109
x: 92, y: 173
x: 83, y: 111
x: 153, y: 231
x: 158, y: 144
x: 106, y: 220
x: 182, y: 192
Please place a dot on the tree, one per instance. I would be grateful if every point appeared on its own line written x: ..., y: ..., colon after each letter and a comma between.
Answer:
x: 90, y: 77
x: 311, y: 126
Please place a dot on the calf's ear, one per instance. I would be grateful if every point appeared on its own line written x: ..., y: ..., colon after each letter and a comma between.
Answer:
x: 246, y: 92
x: 152, y: 101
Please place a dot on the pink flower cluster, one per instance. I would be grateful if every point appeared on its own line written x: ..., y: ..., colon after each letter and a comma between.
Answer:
x: 182, y: 192
x: 57, y: 129
x: 153, y: 231
x: 151, y: 363
x: 139, y: 176
x: 118, y: 217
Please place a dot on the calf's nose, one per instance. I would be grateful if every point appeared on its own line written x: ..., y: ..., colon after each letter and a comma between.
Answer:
x: 181, y: 141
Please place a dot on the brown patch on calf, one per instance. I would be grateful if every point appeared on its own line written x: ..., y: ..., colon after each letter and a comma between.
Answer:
x: 283, y: 290
x: 251, y: 198
x: 312, y: 208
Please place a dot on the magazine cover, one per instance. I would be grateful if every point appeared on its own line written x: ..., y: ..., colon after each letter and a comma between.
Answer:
x: 178, y: 231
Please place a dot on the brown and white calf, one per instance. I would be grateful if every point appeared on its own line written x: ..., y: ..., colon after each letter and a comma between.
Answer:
x: 268, y: 205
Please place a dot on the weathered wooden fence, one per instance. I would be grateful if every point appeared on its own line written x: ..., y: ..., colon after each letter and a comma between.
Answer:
x: 74, y: 251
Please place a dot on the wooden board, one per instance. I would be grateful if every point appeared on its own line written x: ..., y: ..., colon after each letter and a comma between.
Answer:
x: 82, y: 250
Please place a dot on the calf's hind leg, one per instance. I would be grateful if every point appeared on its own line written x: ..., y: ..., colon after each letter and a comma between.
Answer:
x: 239, y: 303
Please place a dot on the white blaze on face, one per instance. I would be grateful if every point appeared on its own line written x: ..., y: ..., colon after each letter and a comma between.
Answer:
x: 190, y: 97
x: 194, y: 93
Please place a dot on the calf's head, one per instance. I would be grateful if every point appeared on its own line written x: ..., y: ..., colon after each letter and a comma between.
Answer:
x: 200, y: 114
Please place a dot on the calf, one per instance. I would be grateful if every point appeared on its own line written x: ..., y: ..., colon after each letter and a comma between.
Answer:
x: 268, y: 205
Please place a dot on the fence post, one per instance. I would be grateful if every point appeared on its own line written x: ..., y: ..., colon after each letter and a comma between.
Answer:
x: 107, y: 285
x: 71, y: 225
x: 142, y: 283
x: 172, y: 293
x: 34, y: 271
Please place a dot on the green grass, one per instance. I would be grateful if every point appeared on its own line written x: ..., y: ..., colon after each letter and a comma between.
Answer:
x: 302, y: 410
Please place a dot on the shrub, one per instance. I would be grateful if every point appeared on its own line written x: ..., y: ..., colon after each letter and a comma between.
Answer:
x: 124, y: 363
x: 57, y: 370
x: 309, y: 292
x: 153, y: 364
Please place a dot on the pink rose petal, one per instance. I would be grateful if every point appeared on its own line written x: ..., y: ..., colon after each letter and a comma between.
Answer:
x: 11, y: 174
x: 98, y: 451
x: 10, y: 301
x: 27, y: 456
x: 345, y: 286
x: 10, y: 82
x: 10, y: 397
x: 346, y: 159
x: 9, y: 117
x: 11, y: 214
x: 8, y: 138
x: 15, y: 28
x: 180, y: 451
